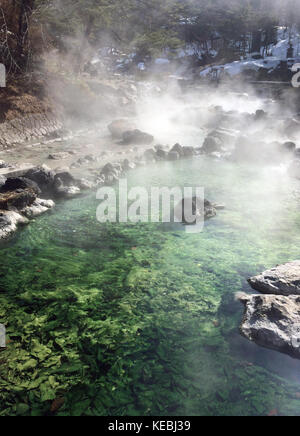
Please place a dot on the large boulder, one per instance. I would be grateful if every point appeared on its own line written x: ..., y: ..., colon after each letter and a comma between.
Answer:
x: 177, y: 148
x: 282, y: 280
x: 272, y: 321
x: 14, y: 183
x: 118, y: 127
x: 137, y: 137
x: 212, y: 144
x: 43, y: 176
x: 18, y: 199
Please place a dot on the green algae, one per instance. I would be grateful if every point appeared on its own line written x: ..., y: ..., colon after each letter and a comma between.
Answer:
x: 122, y: 319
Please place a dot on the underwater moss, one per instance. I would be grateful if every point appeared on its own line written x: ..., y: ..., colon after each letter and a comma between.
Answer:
x: 123, y: 319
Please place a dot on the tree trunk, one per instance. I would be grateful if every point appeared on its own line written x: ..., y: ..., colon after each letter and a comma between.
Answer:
x: 26, y: 8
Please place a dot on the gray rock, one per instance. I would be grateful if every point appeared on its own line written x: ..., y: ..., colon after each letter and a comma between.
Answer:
x: 9, y: 221
x: 18, y: 199
x: 161, y: 154
x: 282, y: 280
x: 118, y: 127
x: 272, y: 322
x: 212, y: 144
x: 289, y: 147
x: 65, y: 185
x: 4, y: 164
x: 111, y: 173
x: 59, y: 156
x: 137, y: 137
x: 14, y: 183
x: 189, y: 208
x: 2, y: 181
x: 39, y: 207
x: 43, y: 176
x: 127, y: 165
x: 188, y: 151
x: 173, y: 155
x: 177, y: 148
x: 150, y: 155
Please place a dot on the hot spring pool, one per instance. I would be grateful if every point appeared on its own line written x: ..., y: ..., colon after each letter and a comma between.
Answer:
x: 140, y: 319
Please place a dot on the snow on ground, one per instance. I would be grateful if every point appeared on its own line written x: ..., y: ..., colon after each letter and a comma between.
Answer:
x: 278, y: 53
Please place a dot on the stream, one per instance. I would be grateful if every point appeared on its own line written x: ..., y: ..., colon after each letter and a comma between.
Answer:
x: 141, y: 319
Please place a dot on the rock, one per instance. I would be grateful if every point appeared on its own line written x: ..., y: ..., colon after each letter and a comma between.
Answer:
x: 43, y: 176
x: 173, y: 155
x: 37, y: 208
x: 150, y: 155
x: 137, y: 137
x: 272, y: 321
x: 188, y: 151
x: 59, y: 156
x: 84, y: 184
x: 127, y: 165
x: 260, y: 115
x: 14, y: 183
x: 289, y: 146
x: 282, y: 280
x: 188, y: 208
x: 161, y: 154
x: 177, y: 148
x: 4, y: 164
x: 65, y: 185
x: 292, y: 128
x: 118, y: 127
x: 2, y: 181
x: 18, y: 199
x: 212, y: 144
x: 9, y: 221
x: 111, y: 173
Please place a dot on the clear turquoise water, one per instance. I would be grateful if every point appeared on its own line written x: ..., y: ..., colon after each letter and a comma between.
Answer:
x: 140, y: 319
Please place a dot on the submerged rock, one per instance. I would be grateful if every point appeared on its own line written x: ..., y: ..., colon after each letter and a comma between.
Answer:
x: 190, y: 210
x: 273, y: 322
x: 282, y: 280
